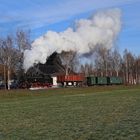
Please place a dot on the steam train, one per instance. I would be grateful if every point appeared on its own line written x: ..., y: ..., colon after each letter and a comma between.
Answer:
x: 75, y: 80
x: 52, y: 74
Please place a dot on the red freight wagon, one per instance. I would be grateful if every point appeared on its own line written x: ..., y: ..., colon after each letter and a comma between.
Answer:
x: 70, y: 80
x: 64, y: 78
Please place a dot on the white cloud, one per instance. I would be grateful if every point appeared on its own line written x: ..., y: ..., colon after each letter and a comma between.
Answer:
x: 35, y: 15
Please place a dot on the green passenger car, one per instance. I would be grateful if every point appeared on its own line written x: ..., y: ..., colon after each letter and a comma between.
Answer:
x: 91, y: 81
x: 115, y: 80
x: 102, y: 81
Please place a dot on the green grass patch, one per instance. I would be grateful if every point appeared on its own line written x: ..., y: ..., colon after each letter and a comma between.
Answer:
x: 94, y: 113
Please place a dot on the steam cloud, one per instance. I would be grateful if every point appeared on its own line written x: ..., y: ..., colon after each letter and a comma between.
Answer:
x: 101, y: 29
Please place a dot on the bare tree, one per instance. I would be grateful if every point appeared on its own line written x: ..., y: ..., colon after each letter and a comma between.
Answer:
x: 116, y: 61
x: 22, y: 42
x: 137, y: 70
x: 69, y: 60
x: 87, y: 69
x: 102, y: 60
x: 8, y: 57
x: 128, y: 66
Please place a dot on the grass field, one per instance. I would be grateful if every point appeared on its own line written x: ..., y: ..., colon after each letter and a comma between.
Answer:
x: 95, y: 113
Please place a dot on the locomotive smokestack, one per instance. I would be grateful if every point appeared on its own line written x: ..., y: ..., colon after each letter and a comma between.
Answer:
x: 101, y: 29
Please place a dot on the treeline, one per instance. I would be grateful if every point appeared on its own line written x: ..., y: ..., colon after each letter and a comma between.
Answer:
x: 11, y: 55
x: 109, y: 62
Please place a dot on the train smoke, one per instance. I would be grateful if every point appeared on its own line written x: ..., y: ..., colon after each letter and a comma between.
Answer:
x: 100, y: 30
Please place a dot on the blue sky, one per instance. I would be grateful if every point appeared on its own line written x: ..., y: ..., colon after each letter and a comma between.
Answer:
x: 42, y: 15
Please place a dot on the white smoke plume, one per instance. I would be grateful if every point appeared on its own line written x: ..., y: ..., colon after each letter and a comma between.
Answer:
x: 101, y: 29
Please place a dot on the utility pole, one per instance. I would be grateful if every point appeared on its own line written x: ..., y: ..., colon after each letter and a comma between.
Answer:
x: 4, y: 74
x: 8, y: 74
